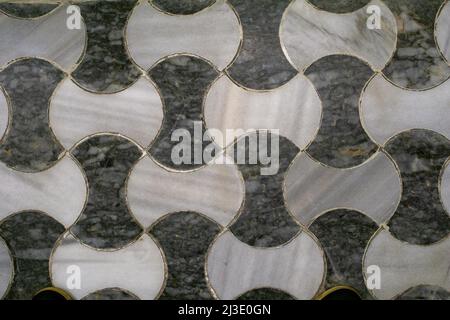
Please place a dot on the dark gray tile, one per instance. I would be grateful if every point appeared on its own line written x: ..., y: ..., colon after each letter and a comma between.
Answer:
x: 265, y: 294
x: 29, y: 144
x: 30, y: 236
x: 339, y: 6
x: 183, y: 82
x: 420, y: 217
x: 185, y: 238
x: 182, y: 6
x: 27, y: 10
x: 425, y: 292
x: 110, y: 294
x: 417, y: 63
x: 106, y: 222
x: 264, y: 220
x: 106, y: 66
x: 344, y: 235
x: 341, y: 141
x: 261, y: 63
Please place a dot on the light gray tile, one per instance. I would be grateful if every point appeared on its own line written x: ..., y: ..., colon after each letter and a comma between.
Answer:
x: 442, y: 32
x: 6, y: 268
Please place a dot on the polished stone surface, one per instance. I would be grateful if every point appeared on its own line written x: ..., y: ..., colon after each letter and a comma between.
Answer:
x: 339, y: 6
x: 183, y: 6
x: 110, y: 294
x: 27, y: 10
x: 425, y: 292
x: 442, y: 33
x: 6, y: 268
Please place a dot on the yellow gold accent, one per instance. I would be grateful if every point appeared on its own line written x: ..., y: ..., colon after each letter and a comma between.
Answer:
x: 60, y: 291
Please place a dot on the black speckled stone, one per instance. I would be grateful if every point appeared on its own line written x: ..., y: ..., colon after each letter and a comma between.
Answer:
x: 265, y: 294
x: 27, y: 10
x: 417, y: 63
x: 106, y: 66
x: 185, y: 238
x: 264, y: 220
x: 110, y: 294
x: 183, y: 82
x: 182, y: 6
x: 341, y: 141
x: 29, y: 144
x: 106, y: 222
x: 344, y: 235
x: 420, y: 217
x: 30, y: 236
x: 261, y: 63
x: 425, y: 292
x: 339, y: 6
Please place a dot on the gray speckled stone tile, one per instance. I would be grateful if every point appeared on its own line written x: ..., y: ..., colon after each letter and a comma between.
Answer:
x: 185, y: 238
x: 339, y: 6
x: 420, y: 217
x: 417, y: 63
x: 110, y: 294
x: 27, y: 10
x: 424, y: 292
x: 265, y: 294
x: 264, y: 220
x: 106, y: 222
x: 344, y: 235
x: 29, y: 144
x: 183, y: 81
x: 182, y: 6
x: 30, y: 235
x: 261, y: 63
x: 106, y: 66
x: 341, y: 141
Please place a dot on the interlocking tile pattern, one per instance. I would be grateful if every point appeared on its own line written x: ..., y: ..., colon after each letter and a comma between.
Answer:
x: 87, y: 178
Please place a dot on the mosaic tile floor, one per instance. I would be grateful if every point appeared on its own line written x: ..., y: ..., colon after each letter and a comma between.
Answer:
x: 88, y: 184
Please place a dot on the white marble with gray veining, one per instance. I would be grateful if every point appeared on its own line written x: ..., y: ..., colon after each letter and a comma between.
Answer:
x: 404, y: 265
x: 6, y: 268
x: 294, y: 109
x: 399, y: 109
x: 4, y: 111
x: 138, y: 268
x: 442, y: 32
x: 46, y: 37
x: 311, y: 188
x: 59, y: 191
x: 214, y: 190
x: 234, y: 267
x: 135, y: 112
x: 309, y: 34
x: 213, y: 33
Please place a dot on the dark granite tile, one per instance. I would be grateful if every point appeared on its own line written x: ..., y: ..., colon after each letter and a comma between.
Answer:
x: 27, y: 10
x: 261, y: 63
x: 110, y: 294
x: 185, y: 238
x: 106, y: 66
x: 264, y: 220
x: 344, y: 235
x: 420, y: 217
x: 425, y: 292
x: 417, y: 63
x: 339, y: 6
x: 106, y: 222
x: 183, y: 82
x: 265, y: 294
x: 29, y: 144
x: 30, y: 236
x: 182, y: 6
x: 341, y: 141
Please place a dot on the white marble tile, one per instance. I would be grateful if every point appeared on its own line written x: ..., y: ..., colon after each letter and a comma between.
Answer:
x: 4, y: 113
x: 234, y: 267
x: 6, y: 268
x: 215, y: 190
x: 46, y: 37
x: 213, y: 34
x: 138, y: 268
x: 387, y: 110
x: 403, y: 265
x: 295, y: 109
x: 308, y: 34
x: 444, y: 187
x: 311, y: 188
x: 59, y: 191
x: 135, y: 112
x: 442, y: 31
